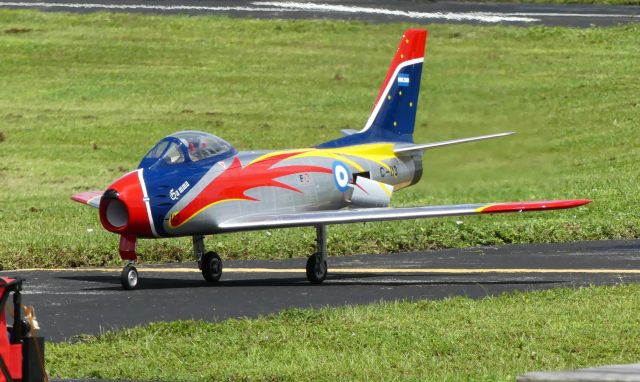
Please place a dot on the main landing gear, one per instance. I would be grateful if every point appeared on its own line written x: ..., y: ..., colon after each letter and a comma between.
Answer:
x: 317, y: 263
x: 209, y: 262
x: 211, y: 265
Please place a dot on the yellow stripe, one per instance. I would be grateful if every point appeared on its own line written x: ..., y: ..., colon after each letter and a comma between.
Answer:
x: 350, y: 270
x: 274, y: 153
x: 480, y: 209
x: 200, y: 210
x: 375, y: 152
x: 329, y: 154
x: 385, y: 189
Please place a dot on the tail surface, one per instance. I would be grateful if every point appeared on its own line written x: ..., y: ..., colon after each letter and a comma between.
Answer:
x: 394, y: 113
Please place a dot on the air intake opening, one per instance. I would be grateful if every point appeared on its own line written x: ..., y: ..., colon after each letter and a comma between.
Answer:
x: 117, y: 214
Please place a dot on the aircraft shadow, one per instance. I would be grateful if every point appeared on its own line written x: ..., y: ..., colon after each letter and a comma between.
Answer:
x: 343, y: 279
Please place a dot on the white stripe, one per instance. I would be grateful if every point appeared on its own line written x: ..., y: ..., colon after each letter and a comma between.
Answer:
x: 376, y: 109
x: 489, y: 17
x: 455, y: 16
x: 146, y: 202
x: 542, y: 14
x: 285, y: 7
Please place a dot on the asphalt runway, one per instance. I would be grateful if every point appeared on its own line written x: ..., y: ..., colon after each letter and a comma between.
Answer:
x: 74, y: 302
x: 420, y: 12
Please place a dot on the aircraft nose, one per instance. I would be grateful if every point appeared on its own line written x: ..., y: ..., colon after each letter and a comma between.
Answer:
x: 123, y: 209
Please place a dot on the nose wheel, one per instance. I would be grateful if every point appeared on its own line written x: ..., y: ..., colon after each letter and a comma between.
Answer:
x: 129, y: 277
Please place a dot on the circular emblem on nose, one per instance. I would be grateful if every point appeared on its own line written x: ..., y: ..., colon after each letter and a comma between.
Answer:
x: 341, y: 176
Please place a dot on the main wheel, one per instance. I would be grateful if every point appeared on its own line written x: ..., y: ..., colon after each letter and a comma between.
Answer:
x: 129, y: 277
x: 316, y: 270
x: 211, y: 267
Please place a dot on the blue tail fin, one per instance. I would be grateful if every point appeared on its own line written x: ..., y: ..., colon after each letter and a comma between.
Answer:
x: 394, y: 113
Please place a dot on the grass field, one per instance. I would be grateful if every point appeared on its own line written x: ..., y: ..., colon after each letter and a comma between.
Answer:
x: 83, y: 97
x: 493, y: 339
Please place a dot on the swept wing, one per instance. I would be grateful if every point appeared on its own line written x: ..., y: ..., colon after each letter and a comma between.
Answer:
x: 246, y: 223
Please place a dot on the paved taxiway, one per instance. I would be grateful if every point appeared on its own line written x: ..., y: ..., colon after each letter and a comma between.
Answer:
x: 422, y: 12
x: 89, y: 301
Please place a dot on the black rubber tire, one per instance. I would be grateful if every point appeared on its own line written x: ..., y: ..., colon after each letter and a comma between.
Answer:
x: 211, y: 267
x: 129, y: 277
x: 316, y: 271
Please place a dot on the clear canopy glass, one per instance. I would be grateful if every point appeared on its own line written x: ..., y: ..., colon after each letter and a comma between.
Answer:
x: 187, y: 146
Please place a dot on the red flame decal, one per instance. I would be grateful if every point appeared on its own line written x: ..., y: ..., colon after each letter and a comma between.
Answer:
x: 236, y: 180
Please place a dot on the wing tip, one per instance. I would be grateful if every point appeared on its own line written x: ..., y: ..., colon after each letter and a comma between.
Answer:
x: 86, y: 197
x: 541, y: 205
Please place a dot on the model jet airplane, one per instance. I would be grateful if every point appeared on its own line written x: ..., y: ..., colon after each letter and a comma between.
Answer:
x: 194, y: 184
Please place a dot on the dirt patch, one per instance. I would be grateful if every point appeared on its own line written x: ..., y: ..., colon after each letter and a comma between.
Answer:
x: 17, y: 30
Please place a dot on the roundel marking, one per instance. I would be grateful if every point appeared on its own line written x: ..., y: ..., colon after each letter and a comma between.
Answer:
x: 341, y: 176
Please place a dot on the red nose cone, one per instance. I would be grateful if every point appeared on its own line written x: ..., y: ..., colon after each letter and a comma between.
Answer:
x: 123, y: 209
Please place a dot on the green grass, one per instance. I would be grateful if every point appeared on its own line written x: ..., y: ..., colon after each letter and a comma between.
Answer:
x: 495, y: 338
x: 83, y: 97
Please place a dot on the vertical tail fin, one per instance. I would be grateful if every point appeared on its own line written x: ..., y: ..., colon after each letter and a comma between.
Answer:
x: 394, y: 113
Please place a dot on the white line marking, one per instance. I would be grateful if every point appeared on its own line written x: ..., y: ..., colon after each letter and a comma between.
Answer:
x: 541, y: 14
x: 455, y: 16
x: 77, y: 293
x: 287, y: 7
x: 275, y: 6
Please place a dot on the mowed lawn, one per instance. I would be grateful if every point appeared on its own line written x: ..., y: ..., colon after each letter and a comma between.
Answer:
x: 83, y: 97
x: 459, y: 339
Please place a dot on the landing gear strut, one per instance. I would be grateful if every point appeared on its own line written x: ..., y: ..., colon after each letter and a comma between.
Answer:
x: 317, y: 263
x: 209, y: 262
x: 129, y: 275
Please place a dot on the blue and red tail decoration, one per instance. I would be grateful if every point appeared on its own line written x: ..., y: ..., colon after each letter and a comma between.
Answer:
x: 394, y: 113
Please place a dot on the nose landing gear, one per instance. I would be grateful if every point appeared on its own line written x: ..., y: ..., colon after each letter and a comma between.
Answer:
x: 129, y: 275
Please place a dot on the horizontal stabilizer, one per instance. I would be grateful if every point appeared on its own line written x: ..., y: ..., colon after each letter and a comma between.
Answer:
x: 408, y: 150
x: 347, y: 132
x: 91, y: 198
x: 247, y: 223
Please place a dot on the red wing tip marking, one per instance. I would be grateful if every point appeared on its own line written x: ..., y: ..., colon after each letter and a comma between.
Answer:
x: 533, y: 206
x: 86, y: 197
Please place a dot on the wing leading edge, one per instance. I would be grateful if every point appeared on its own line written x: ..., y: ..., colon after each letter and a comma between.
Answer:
x: 412, y: 149
x: 256, y: 222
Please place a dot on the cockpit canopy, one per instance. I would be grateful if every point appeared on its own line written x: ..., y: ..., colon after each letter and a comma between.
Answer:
x: 187, y: 147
